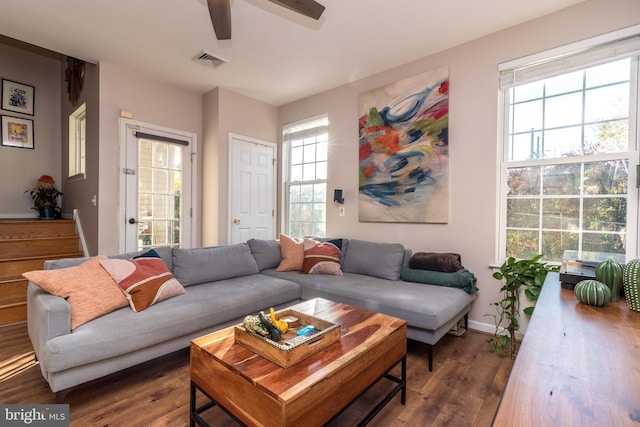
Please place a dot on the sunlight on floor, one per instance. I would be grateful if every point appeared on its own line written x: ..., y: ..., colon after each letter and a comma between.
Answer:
x: 13, y: 366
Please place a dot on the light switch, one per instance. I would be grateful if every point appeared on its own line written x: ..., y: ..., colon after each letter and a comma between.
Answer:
x: 341, y: 211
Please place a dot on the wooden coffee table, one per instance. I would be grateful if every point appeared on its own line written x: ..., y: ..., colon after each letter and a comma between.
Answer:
x: 255, y: 391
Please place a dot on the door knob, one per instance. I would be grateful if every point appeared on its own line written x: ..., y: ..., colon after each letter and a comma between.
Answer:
x: 132, y: 221
x: 236, y: 221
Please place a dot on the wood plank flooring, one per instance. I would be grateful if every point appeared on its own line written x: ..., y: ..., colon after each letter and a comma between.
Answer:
x: 463, y: 390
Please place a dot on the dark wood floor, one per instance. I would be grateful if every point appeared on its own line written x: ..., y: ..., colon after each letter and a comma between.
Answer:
x: 463, y: 390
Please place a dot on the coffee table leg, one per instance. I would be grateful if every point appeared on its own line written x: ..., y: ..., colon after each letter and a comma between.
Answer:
x: 192, y: 405
x: 403, y: 395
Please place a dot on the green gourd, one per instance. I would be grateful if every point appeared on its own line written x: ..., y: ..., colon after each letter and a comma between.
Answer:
x: 631, y: 282
x: 609, y: 272
x: 592, y: 292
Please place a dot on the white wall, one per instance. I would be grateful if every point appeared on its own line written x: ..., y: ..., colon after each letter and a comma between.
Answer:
x: 228, y: 112
x: 150, y: 102
x: 473, y: 136
x: 19, y: 167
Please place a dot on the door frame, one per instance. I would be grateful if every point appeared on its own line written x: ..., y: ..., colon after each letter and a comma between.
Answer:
x: 274, y: 202
x: 130, y: 124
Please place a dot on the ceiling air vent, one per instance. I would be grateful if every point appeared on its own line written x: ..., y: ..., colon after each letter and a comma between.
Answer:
x: 209, y: 60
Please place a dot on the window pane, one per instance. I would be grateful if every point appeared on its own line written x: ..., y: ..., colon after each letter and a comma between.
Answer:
x: 527, y: 116
x: 561, y: 179
x: 306, y: 193
x: 526, y: 146
x: 563, y: 142
x: 605, y: 214
x: 296, y: 173
x: 564, y: 110
x: 564, y: 83
x: 523, y: 213
x: 609, y: 102
x: 599, y: 242
x: 606, y: 177
x: 554, y: 243
x: 308, y: 171
x: 296, y: 155
x: 607, y: 137
x: 310, y: 153
x: 528, y: 91
x: 522, y: 244
x: 561, y: 214
x: 524, y: 181
x: 612, y: 72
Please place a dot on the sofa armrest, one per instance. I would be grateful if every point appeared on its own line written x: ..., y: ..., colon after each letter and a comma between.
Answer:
x: 48, y: 316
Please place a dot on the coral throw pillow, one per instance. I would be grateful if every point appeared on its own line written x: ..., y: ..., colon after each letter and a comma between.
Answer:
x: 322, y: 258
x: 88, y: 288
x: 292, y: 253
x: 145, y: 279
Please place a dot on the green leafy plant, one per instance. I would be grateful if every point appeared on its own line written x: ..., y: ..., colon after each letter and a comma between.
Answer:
x: 45, y: 193
x: 527, y: 274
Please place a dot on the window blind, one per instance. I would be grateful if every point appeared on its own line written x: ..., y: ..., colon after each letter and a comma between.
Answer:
x: 569, y: 61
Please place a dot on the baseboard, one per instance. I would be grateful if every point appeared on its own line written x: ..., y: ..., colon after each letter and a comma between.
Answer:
x: 489, y: 328
x: 18, y: 216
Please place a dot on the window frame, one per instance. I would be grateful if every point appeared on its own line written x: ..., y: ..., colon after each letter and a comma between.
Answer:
x: 78, y: 144
x: 288, y: 134
x: 545, y: 65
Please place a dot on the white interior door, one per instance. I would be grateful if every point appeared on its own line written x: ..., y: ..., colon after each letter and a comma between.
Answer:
x: 157, y: 187
x: 251, y: 189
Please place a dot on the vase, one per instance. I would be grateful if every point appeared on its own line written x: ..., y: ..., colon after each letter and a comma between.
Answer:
x: 592, y: 292
x: 609, y: 272
x: 631, y: 283
x: 48, y: 212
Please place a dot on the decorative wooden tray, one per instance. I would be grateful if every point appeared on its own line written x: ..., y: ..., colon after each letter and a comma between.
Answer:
x: 284, y: 353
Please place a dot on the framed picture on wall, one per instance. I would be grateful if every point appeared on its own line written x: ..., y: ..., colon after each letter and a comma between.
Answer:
x: 17, y: 132
x: 17, y: 97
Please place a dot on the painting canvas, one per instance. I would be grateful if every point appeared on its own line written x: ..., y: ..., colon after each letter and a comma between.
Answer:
x: 17, y: 97
x: 17, y: 132
x: 404, y: 150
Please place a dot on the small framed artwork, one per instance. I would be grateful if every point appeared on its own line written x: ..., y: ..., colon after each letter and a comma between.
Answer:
x: 17, y: 97
x: 17, y: 132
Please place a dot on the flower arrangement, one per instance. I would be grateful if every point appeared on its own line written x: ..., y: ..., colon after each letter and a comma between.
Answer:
x: 45, y: 192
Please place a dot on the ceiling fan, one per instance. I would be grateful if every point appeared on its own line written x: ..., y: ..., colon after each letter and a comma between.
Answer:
x: 220, y: 12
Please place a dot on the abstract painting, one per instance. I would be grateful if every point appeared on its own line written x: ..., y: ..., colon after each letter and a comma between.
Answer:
x: 404, y: 150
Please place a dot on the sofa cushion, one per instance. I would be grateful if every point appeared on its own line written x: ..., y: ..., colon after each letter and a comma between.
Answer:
x: 321, y: 257
x: 292, y: 252
x: 144, y: 279
x: 87, y: 287
x: 202, y: 309
x: 382, y: 260
x: 165, y: 252
x: 201, y: 265
x: 443, y: 262
x: 266, y: 252
x: 463, y: 278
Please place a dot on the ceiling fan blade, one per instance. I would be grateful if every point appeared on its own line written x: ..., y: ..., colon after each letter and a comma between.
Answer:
x: 220, y: 12
x: 309, y: 8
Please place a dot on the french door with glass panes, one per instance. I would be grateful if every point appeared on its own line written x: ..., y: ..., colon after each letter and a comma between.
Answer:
x: 158, y: 187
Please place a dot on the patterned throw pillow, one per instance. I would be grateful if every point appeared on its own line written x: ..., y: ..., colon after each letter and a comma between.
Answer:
x: 322, y: 257
x: 145, y: 279
x: 89, y: 290
x: 292, y: 253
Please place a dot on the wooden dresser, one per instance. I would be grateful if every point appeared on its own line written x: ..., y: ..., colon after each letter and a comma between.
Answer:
x: 578, y: 365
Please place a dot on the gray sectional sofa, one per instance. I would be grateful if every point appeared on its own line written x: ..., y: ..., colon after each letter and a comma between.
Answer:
x: 223, y: 284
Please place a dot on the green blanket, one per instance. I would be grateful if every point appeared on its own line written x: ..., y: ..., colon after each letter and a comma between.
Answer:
x: 463, y: 278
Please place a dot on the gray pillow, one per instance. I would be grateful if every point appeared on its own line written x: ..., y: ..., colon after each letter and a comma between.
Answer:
x: 266, y: 253
x: 382, y: 260
x: 202, y: 265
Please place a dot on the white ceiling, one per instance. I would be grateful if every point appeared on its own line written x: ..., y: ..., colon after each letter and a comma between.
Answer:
x: 275, y: 55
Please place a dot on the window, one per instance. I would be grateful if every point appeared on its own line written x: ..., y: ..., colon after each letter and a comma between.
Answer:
x: 569, y: 150
x: 77, y: 142
x: 306, y: 148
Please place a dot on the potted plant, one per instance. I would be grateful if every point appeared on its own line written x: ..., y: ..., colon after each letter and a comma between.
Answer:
x: 527, y: 274
x: 45, y: 198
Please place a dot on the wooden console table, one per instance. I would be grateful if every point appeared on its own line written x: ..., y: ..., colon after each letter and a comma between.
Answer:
x: 578, y: 365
